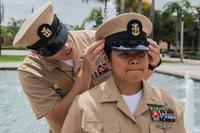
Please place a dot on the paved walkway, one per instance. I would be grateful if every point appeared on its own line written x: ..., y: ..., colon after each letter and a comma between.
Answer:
x: 14, y: 52
x: 192, y: 67
x: 9, y: 65
x: 180, y: 69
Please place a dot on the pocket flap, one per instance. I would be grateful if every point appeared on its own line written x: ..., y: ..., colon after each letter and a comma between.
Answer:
x: 101, y: 126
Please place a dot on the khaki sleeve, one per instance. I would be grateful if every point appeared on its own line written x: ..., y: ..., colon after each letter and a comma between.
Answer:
x: 41, y: 97
x: 181, y: 122
x: 73, y: 121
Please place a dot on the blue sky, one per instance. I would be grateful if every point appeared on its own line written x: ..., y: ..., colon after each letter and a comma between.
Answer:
x: 69, y: 11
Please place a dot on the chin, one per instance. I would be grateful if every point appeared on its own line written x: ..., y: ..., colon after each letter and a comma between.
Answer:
x: 136, y: 77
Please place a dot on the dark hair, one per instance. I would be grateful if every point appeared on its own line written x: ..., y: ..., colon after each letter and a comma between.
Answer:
x: 108, y: 50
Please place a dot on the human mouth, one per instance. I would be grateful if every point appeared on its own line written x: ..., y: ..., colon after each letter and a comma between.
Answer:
x: 133, y: 69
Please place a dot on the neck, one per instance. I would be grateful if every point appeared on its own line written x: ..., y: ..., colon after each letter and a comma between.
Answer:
x: 129, y: 88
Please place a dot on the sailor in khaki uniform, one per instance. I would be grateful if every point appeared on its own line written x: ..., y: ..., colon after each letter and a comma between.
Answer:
x: 125, y: 103
x: 61, y: 64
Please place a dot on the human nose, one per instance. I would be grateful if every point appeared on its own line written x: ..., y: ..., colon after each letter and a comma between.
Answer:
x: 133, y: 61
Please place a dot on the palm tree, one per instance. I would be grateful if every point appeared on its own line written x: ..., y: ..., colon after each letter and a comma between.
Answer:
x: 122, y: 6
x: 152, y: 14
x: 95, y: 15
x: 139, y: 6
x: 14, y: 25
x: 102, y: 1
x: 6, y: 34
x: 134, y: 6
x: 179, y: 8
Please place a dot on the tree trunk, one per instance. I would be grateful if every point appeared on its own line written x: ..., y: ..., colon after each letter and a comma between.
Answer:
x: 139, y: 6
x: 122, y: 6
x: 152, y: 15
x: 178, y: 24
x: 105, y: 9
x: 1, y: 39
x: 199, y: 41
x: 192, y: 46
x: 131, y: 7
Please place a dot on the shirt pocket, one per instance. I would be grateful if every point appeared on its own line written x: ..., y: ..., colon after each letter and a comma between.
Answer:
x: 101, y: 127
x: 163, y: 128
x: 62, y: 87
x: 63, y: 84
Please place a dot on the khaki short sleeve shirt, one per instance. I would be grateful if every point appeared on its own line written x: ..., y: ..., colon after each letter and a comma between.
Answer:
x: 102, y: 109
x: 45, y: 82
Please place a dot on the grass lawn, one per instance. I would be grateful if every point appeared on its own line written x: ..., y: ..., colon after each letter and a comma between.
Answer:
x: 11, y: 58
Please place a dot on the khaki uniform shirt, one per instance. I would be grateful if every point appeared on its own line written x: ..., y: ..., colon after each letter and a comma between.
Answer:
x: 103, y: 110
x: 46, y: 82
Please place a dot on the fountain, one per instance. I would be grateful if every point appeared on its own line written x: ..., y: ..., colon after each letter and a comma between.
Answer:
x: 189, y: 103
x: 15, y: 109
x: 190, y: 109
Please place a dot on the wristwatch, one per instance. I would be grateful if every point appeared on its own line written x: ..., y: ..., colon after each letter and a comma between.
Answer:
x: 151, y: 67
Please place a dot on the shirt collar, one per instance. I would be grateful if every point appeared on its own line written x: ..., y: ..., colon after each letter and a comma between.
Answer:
x: 110, y: 93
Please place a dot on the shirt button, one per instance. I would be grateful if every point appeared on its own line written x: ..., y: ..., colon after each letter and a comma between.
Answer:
x: 154, y: 99
x: 101, y: 129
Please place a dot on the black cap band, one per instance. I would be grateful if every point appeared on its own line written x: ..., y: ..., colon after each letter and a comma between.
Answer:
x: 125, y: 37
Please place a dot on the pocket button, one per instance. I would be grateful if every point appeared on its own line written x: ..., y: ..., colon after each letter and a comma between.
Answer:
x: 102, y: 129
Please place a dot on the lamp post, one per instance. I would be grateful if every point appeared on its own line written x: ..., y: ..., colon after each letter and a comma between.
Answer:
x: 182, y: 39
x: 198, y: 22
x: 105, y: 9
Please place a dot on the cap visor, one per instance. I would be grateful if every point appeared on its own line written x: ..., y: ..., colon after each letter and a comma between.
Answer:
x: 137, y: 48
